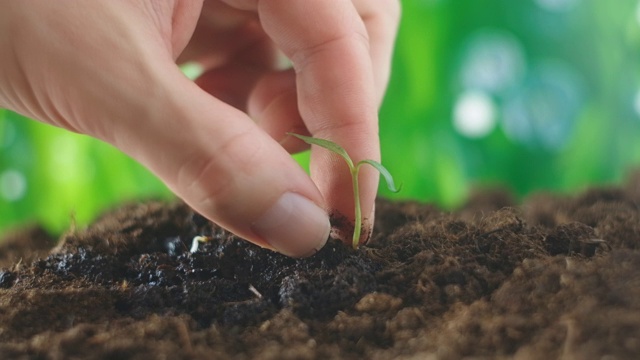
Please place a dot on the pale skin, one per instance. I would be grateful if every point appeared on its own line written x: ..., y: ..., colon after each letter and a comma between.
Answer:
x: 108, y: 69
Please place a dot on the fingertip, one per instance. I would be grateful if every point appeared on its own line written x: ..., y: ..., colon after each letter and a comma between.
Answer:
x: 294, y: 226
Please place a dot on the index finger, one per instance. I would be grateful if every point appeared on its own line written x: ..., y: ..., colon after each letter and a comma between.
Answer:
x: 328, y: 45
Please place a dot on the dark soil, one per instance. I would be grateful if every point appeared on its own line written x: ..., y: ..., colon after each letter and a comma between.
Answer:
x: 556, y: 277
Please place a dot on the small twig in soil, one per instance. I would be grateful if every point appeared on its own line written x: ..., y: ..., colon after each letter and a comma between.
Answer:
x: 255, y: 291
x: 197, y: 240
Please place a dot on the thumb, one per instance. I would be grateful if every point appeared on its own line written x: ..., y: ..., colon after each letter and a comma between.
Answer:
x: 218, y: 161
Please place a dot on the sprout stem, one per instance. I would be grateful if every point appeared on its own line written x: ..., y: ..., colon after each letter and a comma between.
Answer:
x: 355, y: 170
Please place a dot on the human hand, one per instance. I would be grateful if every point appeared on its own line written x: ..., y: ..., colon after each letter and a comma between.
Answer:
x: 108, y: 69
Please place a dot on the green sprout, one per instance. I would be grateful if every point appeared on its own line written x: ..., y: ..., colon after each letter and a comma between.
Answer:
x: 355, y: 171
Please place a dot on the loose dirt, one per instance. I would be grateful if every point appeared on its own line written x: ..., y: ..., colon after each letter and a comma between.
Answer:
x: 554, y: 277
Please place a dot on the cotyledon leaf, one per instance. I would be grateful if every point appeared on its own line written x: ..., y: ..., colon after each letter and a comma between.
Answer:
x: 327, y: 144
x: 385, y: 174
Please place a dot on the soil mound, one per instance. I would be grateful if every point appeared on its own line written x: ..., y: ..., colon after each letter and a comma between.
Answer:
x: 554, y: 277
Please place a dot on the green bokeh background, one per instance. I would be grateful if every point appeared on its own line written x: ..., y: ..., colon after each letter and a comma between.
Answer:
x: 553, y: 87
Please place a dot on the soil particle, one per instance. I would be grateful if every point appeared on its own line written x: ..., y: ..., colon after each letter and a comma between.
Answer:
x: 556, y: 276
x: 342, y: 228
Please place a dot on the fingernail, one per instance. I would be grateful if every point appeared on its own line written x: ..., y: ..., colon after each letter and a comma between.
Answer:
x: 294, y: 226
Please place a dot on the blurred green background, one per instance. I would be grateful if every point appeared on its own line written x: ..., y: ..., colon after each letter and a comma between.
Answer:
x: 526, y: 94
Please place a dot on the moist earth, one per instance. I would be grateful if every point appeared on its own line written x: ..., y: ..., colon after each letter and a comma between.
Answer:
x: 552, y: 277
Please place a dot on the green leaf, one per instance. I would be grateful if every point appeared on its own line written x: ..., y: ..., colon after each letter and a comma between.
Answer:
x: 384, y: 172
x: 327, y: 144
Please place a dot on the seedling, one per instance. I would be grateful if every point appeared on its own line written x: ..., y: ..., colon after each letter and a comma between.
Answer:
x: 355, y: 171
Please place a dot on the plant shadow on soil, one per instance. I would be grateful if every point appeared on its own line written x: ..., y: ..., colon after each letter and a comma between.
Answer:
x: 557, y: 276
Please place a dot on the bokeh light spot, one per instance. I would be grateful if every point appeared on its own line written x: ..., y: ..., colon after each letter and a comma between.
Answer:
x: 543, y: 113
x: 493, y: 61
x: 474, y: 114
x: 557, y: 5
x: 13, y: 185
x: 636, y: 103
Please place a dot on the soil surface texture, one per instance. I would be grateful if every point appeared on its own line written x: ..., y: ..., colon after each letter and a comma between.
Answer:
x: 553, y: 277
